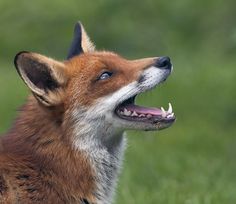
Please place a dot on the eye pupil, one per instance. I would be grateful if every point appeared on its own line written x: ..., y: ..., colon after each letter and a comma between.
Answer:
x: 105, y: 75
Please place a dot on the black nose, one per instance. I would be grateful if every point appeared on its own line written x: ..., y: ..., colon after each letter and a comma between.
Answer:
x: 163, y: 63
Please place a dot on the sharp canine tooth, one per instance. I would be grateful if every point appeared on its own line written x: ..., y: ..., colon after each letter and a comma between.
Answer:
x: 170, y: 108
x: 163, y: 110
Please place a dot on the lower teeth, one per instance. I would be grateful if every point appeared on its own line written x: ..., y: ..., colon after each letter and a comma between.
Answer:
x: 135, y: 114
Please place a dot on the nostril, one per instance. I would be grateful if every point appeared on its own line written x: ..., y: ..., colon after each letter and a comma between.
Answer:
x: 163, y: 62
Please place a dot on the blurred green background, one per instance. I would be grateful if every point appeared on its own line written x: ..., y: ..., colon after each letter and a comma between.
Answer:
x: 194, y: 161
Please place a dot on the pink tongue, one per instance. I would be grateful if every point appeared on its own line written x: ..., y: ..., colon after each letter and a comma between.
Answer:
x: 143, y: 110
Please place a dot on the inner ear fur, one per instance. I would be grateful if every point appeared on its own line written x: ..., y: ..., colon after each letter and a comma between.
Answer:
x: 44, y: 76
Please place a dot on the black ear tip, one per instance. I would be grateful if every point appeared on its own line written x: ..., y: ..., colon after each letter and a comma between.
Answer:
x: 78, y: 25
x: 75, y: 48
x: 18, y: 55
x: 77, y: 28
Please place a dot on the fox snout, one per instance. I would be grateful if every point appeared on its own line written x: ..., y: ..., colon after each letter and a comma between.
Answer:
x: 155, y: 73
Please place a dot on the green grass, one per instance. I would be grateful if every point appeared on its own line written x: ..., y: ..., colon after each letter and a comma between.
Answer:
x: 193, y: 162
x: 12, y: 95
x: 179, y: 166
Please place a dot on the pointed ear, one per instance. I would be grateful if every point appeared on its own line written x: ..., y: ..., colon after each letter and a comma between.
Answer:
x: 44, y: 76
x: 81, y: 42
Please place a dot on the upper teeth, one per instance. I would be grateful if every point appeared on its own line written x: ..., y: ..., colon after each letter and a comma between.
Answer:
x: 170, y: 108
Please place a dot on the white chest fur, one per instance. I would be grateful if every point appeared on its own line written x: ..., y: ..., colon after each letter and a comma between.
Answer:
x: 105, y: 157
x: 107, y: 164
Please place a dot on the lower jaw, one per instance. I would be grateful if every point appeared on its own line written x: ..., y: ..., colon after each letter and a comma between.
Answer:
x: 151, y: 123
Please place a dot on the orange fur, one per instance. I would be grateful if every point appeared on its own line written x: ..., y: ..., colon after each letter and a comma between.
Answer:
x: 37, y: 161
x: 88, y: 66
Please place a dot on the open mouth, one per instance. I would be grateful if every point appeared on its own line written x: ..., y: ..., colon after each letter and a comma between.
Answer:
x: 127, y: 110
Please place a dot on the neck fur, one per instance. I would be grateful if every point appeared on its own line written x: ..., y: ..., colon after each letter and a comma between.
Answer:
x: 105, y: 147
x: 92, y: 143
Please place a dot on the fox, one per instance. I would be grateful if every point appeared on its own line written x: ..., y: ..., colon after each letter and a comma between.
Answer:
x: 68, y: 141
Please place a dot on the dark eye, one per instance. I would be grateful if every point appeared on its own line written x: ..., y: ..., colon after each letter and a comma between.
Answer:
x: 105, y: 75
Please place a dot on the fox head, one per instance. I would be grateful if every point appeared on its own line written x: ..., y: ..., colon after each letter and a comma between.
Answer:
x: 96, y: 90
